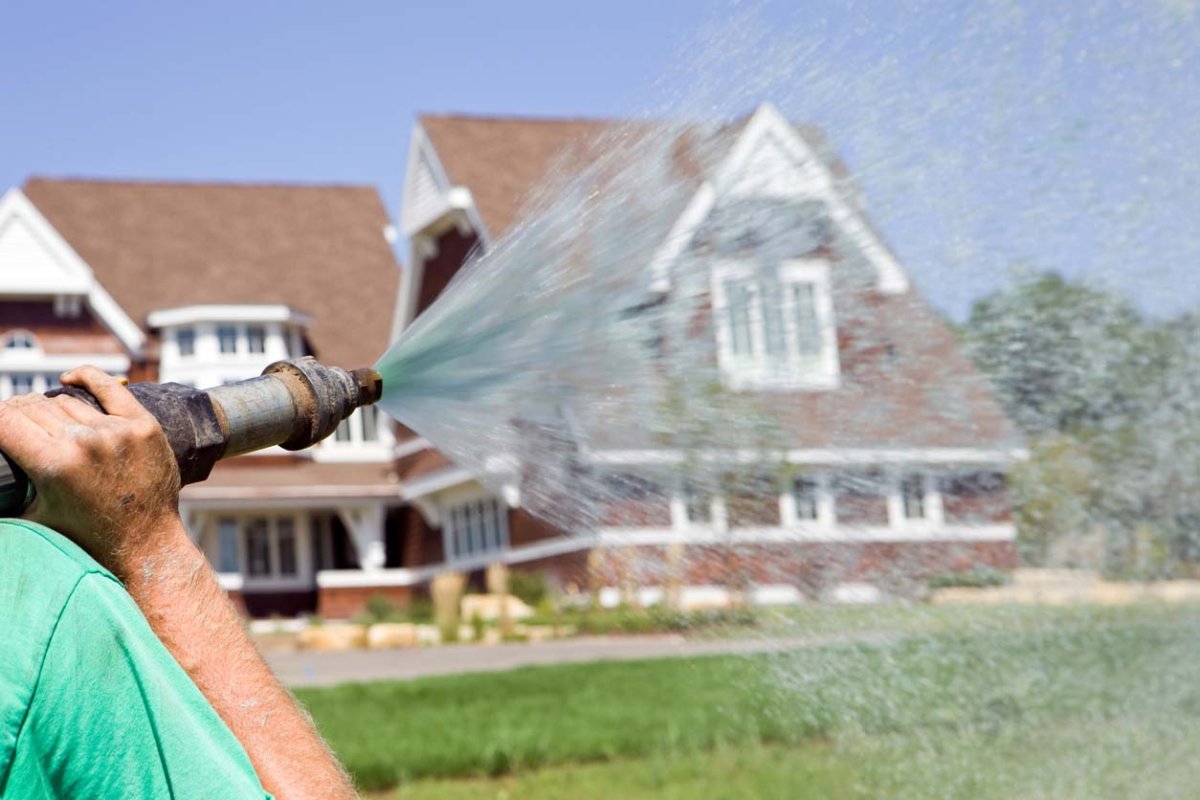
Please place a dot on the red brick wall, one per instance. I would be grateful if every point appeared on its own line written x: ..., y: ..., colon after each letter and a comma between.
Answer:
x: 344, y: 603
x: 976, y: 499
x: 524, y: 528
x: 810, y: 565
x: 422, y: 542
x: 453, y: 248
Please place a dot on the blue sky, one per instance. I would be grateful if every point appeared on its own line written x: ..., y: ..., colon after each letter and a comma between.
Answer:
x: 986, y: 134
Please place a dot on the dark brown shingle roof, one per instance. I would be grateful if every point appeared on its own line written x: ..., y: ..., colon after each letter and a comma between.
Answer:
x: 318, y: 249
x: 503, y: 160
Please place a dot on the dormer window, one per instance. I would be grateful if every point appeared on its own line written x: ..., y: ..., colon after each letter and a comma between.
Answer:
x: 227, y: 337
x: 20, y: 340
x: 185, y: 340
x: 256, y: 339
x: 775, y: 326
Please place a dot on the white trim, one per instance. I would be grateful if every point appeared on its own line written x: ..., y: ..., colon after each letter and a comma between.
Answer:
x: 410, y: 576
x: 230, y: 581
x: 411, y: 447
x: 435, y: 482
x: 767, y: 121
x: 36, y: 361
x: 680, y: 236
x: 15, y: 203
x: 806, y: 533
x: 190, y: 315
x: 316, y: 496
x: 455, y: 201
x: 817, y: 456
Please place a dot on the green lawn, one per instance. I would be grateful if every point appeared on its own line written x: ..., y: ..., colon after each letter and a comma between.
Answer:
x: 990, y: 703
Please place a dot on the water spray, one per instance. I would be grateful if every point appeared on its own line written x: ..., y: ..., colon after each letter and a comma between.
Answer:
x: 293, y: 404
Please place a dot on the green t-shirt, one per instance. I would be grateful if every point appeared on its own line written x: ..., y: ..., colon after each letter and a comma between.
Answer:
x: 92, y: 706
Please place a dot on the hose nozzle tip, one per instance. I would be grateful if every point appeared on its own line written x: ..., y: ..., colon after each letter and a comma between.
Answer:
x: 370, y: 385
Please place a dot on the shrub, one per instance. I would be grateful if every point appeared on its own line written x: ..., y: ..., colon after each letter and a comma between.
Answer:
x: 979, y: 578
x: 381, y: 608
x: 530, y: 587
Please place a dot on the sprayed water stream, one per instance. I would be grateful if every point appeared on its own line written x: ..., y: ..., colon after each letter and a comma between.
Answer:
x: 1003, y: 142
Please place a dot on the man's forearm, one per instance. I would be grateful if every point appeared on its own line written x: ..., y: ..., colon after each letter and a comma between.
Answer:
x: 179, y: 595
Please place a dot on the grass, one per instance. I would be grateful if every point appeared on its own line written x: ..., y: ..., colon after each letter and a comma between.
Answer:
x: 998, y: 703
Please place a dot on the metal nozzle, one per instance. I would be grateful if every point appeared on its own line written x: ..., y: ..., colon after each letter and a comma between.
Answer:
x: 370, y: 385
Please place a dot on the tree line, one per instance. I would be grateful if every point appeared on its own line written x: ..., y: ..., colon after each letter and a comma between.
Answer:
x: 1109, y: 402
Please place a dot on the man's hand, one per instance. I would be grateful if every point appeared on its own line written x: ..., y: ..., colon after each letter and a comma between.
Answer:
x: 107, y: 480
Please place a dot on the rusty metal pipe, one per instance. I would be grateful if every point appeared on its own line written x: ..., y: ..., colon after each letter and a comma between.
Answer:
x: 293, y: 404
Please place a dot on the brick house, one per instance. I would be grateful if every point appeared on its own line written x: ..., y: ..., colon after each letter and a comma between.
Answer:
x: 898, y: 452
x: 203, y: 284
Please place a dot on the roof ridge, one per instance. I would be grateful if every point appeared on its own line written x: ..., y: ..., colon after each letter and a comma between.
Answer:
x: 197, y: 182
x: 495, y: 117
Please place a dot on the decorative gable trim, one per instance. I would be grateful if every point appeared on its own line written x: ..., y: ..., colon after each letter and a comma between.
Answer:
x: 746, y: 170
x: 75, y: 278
x: 431, y: 204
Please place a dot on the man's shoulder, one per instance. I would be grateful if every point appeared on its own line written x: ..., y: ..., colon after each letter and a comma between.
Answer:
x: 48, y: 556
x: 39, y: 572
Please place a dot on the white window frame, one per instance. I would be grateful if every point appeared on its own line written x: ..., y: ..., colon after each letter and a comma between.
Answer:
x: 305, y: 577
x: 20, y: 334
x: 931, y: 501
x: 788, y: 512
x: 461, y: 503
x: 356, y: 448
x: 793, y: 371
x: 42, y: 382
x: 681, y: 521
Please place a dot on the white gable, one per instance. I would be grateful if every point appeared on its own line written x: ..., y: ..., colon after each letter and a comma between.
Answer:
x: 35, y: 260
x: 29, y: 261
x: 772, y: 169
x: 771, y: 159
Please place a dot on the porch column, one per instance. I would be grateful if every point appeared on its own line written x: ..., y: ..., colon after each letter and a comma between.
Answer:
x: 365, y: 526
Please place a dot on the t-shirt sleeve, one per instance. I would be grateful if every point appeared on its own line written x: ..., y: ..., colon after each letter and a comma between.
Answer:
x: 114, y: 716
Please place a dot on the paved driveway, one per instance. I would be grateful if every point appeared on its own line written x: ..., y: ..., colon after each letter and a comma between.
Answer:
x: 323, y: 669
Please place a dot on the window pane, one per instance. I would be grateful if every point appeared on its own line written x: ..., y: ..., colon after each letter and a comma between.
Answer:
x: 772, y: 308
x: 185, y: 338
x: 739, y: 295
x: 227, y: 338
x: 20, y: 340
x: 804, y: 492
x: 698, y: 503
x: 808, y: 329
x: 912, y: 488
x: 258, y: 548
x: 22, y: 383
x: 256, y: 339
x: 287, y: 546
x: 227, y: 547
x: 342, y: 434
x: 370, y: 423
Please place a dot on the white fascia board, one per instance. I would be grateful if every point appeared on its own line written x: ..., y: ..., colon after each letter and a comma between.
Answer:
x: 314, y: 496
x: 436, y: 482
x: 410, y: 447
x: 37, y: 361
x: 645, y: 537
x: 189, y: 315
x: 83, y: 279
x: 77, y: 280
x: 453, y: 201
x: 769, y: 121
x: 818, y: 456
x: 680, y: 236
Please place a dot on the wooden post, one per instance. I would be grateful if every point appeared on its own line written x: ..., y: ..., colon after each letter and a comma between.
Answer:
x: 447, y: 590
x: 497, y: 585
